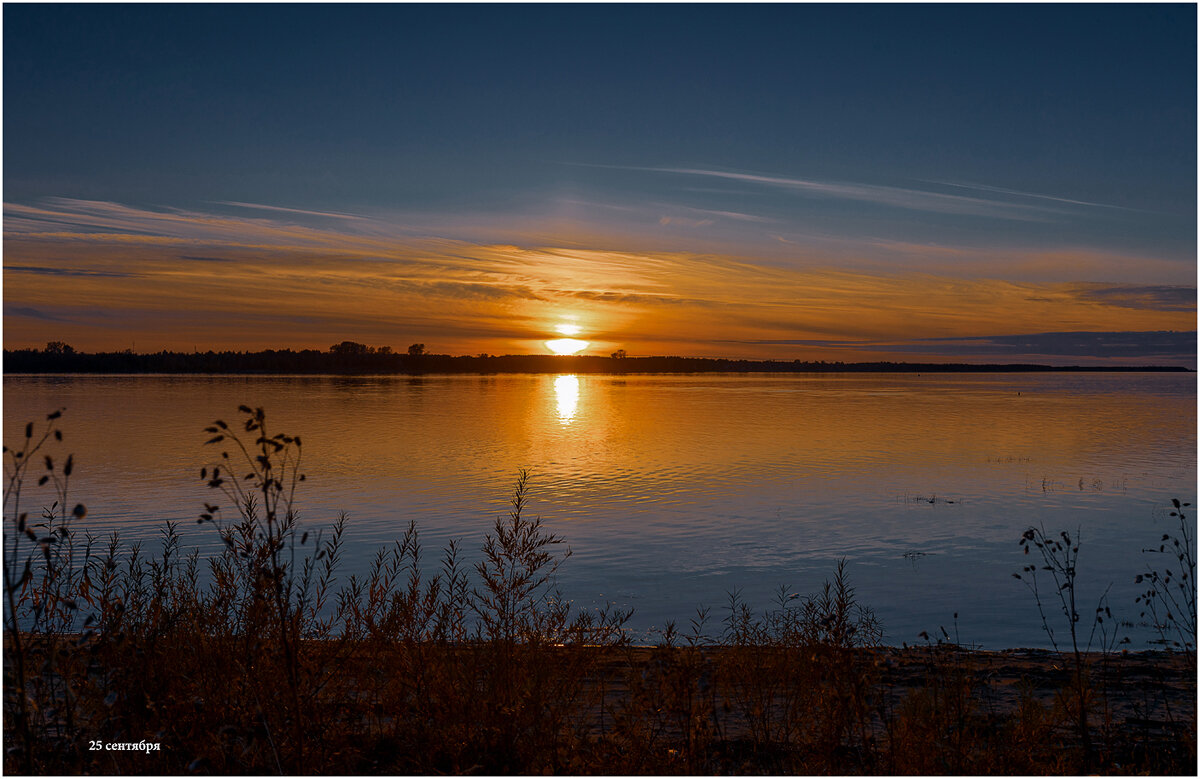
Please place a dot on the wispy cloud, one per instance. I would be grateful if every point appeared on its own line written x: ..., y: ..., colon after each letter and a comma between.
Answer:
x: 712, y: 213
x: 735, y: 215
x: 896, y: 197
x: 67, y: 218
x: 1155, y: 298
x: 261, y: 207
x: 635, y: 298
x: 48, y: 271
x: 683, y: 221
x: 596, y: 204
x: 194, y: 258
x: 1051, y: 207
x: 33, y: 313
x: 1034, y: 195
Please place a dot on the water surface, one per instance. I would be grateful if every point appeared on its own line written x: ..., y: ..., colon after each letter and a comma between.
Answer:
x: 673, y: 490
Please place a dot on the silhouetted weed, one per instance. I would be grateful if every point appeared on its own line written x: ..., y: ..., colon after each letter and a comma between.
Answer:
x: 265, y: 658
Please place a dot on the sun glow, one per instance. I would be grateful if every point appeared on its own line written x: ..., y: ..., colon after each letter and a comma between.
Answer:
x: 567, y: 329
x: 566, y: 345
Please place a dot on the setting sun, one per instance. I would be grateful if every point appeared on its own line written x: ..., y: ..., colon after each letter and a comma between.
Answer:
x: 566, y: 345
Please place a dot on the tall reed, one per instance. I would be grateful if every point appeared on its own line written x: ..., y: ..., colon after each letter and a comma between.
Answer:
x: 265, y: 657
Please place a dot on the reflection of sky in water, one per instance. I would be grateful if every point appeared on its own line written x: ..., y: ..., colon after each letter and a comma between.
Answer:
x: 673, y: 490
x: 566, y: 390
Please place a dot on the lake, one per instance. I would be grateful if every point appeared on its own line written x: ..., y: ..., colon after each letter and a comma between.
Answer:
x: 673, y: 490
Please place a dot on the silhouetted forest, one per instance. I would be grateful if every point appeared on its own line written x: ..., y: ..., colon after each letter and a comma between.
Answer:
x: 349, y: 357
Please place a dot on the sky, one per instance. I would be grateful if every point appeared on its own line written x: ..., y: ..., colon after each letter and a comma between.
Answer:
x: 847, y: 182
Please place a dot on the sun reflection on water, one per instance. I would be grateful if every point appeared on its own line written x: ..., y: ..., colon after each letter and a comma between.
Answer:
x: 566, y: 388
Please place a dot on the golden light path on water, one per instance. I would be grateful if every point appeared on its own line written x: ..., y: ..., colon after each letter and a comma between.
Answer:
x: 566, y: 389
x: 675, y: 489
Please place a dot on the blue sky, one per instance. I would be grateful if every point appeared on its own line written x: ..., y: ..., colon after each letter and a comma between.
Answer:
x: 1027, y: 144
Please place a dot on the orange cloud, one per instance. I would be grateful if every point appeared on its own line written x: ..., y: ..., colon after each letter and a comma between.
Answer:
x: 97, y: 274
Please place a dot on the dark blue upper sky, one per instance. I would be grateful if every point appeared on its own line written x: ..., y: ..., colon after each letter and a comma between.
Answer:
x: 420, y: 105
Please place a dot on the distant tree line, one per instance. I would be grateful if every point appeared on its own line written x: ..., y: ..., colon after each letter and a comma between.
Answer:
x: 355, y: 349
x: 350, y: 357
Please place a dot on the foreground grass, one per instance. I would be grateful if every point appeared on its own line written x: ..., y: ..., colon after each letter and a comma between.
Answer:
x: 611, y: 710
x: 260, y: 661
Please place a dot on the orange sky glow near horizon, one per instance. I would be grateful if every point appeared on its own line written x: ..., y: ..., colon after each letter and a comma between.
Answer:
x: 103, y: 276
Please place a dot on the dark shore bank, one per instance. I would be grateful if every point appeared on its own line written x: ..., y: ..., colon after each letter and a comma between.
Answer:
x: 380, y: 708
x: 311, y: 361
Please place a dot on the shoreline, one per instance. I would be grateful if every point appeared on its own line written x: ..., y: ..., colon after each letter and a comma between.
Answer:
x: 574, y: 371
x: 1003, y: 674
x: 747, y: 708
x: 315, y: 363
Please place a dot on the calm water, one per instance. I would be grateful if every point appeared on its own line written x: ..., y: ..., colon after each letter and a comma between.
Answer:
x: 674, y: 490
